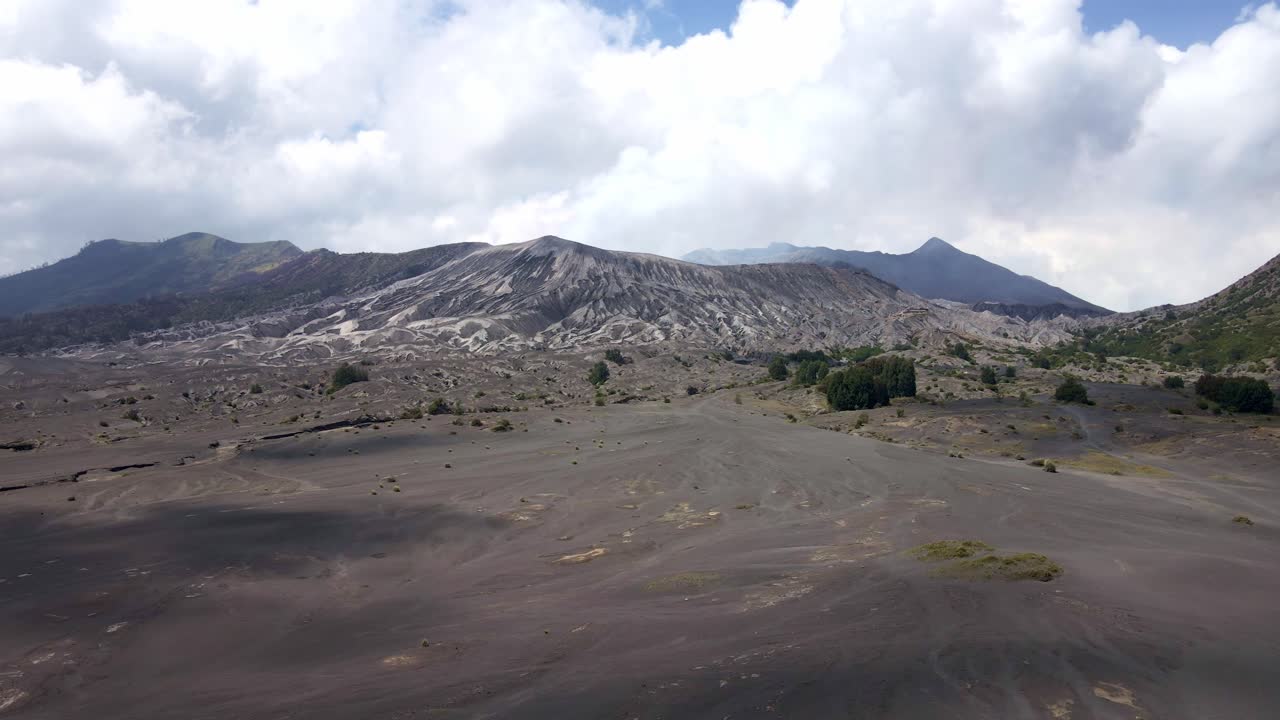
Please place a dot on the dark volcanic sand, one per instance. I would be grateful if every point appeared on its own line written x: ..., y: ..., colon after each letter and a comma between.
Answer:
x: 701, y: 561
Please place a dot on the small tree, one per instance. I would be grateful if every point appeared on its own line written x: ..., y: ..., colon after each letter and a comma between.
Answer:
x: 614, y: 356
x: 1174, y: 382
x: 255, y: 389
x: 347, y: 374
x: 1010, y: 371
x: 961, y: 351
x: 778, y: 368
x: 989, y: 375
x: 439, y: 406
x: 1071, y: 390
x: 810, y: 372
x: 599, y: 374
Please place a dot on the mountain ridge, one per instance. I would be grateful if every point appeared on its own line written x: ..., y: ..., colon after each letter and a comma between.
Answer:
x: 936, y: 269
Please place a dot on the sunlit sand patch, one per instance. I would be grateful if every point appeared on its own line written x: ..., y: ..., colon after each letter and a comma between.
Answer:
x: 1060, y: 710
x: 582, y: 557
x: 685, y: 516
x: 116, y: 627
x: 861, y: 549
x: 1118, y: 694
x: 524, y: 513
x: 777, y: 592
x: 398, y: 660
x: 11, y: 697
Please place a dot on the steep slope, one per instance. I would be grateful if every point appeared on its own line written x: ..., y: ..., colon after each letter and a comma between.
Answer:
x: 934, y: 270
x: 1237, y: 327
x: 114, y: 271
x: 550, y: 293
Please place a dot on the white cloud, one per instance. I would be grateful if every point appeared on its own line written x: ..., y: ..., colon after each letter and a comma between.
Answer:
x: 1128, y: 171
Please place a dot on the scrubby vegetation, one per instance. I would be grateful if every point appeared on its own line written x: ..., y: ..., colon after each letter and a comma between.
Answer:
x: 1174, y: 382
x: 871, y: 384
x: 599, y: 374
x: 1071, y: 391
x: 960, y: 350
x: 778, y: 368
x: 949, y: 550
x: 614, y: 356
x: 347, y: 374
x: 989, y: 375
x: 973, y: 559
x: 810, y: 372
x: 1239, y: 394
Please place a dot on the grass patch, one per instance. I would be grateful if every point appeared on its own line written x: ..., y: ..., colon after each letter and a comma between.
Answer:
x: 1022, y: 566
x: 976, y: 560
x: 682, y: 582
x: 949, y: 550
x: 1242, y: 520
x: 1111, y: 465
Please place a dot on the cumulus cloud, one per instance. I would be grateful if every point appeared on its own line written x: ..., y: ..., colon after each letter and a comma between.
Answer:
x: 1126, y: 170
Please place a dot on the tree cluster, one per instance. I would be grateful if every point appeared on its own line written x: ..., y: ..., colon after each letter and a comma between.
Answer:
x: 871, y: 384
x: 1239, y: 394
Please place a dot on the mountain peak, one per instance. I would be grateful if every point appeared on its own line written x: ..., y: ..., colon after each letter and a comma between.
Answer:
x: 935, y: 245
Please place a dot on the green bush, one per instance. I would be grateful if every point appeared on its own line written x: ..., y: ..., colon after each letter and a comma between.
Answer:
x: 961, y: 351
x: 439, y: 406
x: 989, y: 375
x: 255, y: 389
x: 599, y: 374
x: 347, y: 374
x: 614, y: 356
x: 1240, y: 394
x: 778, y: 368
x: 1174, y: 382
x: 1071, y: 390
x: 811, y: 372
x: 1010, y: 371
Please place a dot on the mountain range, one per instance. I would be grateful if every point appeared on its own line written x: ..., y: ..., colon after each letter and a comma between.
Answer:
x: 936, y: 270
x: 200, y: 297
x: 547, y: 293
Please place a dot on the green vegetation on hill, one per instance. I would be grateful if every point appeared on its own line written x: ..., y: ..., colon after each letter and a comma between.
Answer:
x: 1238, y: 325
x: 598, y: 374
x: 1071, y: 391
x: 1239, y: 394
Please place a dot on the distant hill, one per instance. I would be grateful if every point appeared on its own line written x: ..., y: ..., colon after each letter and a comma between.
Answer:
x: 1236, y: 328
x: 115, y: 271
x: 545, y: 294
x: 935, y: 270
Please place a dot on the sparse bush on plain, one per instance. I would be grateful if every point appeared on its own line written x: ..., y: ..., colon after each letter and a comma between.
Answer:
x: 439, y: 406
x: 347, y: 374
x: 599, y: 374
x: 960, y: 350
x: 503, y: 425
x: 411, y: 413
x: 1010, y: 372
x: 1072, y: 391
x: 1242, y: 520
x: 1174, y: 382
x: 255, y: 389
x: 614, y: 356
x: 989, y: 375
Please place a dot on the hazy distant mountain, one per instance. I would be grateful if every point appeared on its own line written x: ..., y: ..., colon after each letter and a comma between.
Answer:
x: 1237, y: 327
x: 934, y: 270
x: 114, y: 271
x: 548, y: 293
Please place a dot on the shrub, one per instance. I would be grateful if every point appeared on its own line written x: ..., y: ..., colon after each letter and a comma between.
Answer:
x: 503, y: 425
x: 961, y: 351
x: 988, y: 375
x: 1174, y: 382
x: 476, y: 422
x: 599, y: 374
x: 599, y: 401
x: 691, y: 390
x: 439, y: 406
x: 411, y: 413
x: 132, y: 414
x: 255, y: 389
x: 810, y: 372
x: 1071, y: 390
x: 778, y: 368
x: 347, y: 374
x: 1241, y: 394
x: 614, y: 356
x: 1010, y: 371
x: 1050, y: 467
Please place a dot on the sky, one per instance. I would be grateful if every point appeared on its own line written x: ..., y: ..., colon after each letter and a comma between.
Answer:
x: 1127, y: 151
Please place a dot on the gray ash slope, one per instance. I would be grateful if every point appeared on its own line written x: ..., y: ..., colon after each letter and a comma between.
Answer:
x: 934, y: 270
x: 553, y: 294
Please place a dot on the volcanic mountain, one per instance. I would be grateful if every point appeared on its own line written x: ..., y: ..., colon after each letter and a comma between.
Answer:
x: 934, y: 270
x: 115, y: 271
x: 554, y: 294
